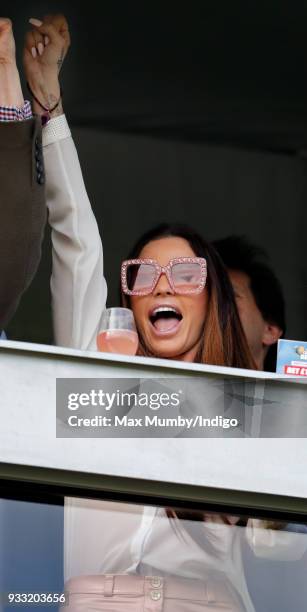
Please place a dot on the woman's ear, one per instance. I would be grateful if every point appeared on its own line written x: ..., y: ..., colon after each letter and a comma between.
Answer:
x: 271, y: 334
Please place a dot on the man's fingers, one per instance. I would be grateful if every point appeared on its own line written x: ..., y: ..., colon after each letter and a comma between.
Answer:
x: 5, y: 24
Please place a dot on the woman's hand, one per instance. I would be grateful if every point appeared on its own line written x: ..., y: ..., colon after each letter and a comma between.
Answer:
x: 10, y: 88
x: 46, y: 46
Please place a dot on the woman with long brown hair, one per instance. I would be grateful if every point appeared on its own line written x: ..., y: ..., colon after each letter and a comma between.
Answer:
x: 208, y: 328
x: 184, y: 309
x: 187, y: 309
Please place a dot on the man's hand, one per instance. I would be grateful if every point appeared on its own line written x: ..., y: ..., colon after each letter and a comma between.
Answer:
x: 7, y: 42
x: 45, y: 49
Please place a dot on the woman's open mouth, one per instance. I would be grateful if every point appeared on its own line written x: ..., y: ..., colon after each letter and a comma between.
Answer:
x: 165, y: 320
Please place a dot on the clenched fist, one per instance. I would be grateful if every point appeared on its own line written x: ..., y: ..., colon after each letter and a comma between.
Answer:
x: 7, y: 42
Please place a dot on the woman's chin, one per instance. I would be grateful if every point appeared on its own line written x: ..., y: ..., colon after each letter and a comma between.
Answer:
x: 168, y: 346
x: 167, y: 349
x: 173, y: 349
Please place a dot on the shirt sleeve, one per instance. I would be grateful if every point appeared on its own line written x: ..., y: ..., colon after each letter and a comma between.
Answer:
x: 13, y: 113
x: 78, y: 286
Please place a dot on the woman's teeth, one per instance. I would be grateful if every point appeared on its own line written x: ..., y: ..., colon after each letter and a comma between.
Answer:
x: 165, y: 318
x: 164, y: 309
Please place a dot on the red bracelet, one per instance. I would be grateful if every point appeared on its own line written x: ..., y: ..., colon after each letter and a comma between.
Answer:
x: 47, y: 116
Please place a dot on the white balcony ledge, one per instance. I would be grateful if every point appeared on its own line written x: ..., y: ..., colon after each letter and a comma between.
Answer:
x: 28, y: 426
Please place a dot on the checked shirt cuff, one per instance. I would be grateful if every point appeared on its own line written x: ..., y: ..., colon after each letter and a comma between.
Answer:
x: 13, y: 113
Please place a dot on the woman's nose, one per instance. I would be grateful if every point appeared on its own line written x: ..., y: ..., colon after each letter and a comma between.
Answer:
x: 163, y: 286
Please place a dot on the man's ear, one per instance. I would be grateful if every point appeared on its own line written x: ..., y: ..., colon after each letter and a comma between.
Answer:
x: 271, y: 334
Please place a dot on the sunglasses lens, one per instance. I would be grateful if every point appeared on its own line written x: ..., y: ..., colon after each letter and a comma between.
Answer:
x: 186, y: 276
x: 140, y: 277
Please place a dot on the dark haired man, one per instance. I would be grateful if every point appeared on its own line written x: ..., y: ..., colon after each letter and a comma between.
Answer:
x: 259, y: 297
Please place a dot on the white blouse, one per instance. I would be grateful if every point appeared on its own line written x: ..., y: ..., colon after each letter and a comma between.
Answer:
x: 105, y: 536
x: 110, y: 537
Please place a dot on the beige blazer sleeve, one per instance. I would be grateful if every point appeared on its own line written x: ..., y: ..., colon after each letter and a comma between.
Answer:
x: 78, y: 287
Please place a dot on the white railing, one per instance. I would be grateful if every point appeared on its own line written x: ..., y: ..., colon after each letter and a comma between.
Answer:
x: 276, y: 465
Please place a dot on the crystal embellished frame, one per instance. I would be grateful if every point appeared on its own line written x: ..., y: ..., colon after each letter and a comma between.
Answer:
x: 167, y: 270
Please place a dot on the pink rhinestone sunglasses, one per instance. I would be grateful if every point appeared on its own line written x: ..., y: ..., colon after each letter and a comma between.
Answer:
x: 185, y: 275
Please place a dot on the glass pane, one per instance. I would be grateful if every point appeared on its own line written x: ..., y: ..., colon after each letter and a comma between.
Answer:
x: 123, y: 554
x: 31, y: 551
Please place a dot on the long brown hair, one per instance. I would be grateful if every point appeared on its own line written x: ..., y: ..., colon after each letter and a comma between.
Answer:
x: 223, y: 341
x: 208, y: 539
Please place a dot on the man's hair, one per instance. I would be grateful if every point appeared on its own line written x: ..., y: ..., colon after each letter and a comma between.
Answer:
x: 239, y: 254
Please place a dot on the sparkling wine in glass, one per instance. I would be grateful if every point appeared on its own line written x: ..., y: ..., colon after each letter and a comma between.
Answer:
x: 118, y: 332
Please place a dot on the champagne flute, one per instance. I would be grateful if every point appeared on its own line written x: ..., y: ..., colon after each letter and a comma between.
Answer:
x: 118, y: 332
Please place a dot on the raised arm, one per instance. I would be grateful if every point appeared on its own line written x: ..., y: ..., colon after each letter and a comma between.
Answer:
x: 22, y: 201
x: 77, y: 284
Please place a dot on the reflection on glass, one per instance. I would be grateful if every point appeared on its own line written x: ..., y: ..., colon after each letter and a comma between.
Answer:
x: 204, y: 557
x: 120, y: 557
